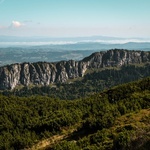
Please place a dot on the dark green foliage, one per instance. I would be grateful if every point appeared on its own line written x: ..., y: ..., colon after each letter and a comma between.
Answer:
x: 26, y: 120
x: 122, y: 141
x: 65, y: 145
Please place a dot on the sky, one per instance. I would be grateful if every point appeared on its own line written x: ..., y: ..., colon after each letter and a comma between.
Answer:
x: 75, y: 18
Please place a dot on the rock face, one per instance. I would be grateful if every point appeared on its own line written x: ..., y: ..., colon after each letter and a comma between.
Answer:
x: 43, y: 73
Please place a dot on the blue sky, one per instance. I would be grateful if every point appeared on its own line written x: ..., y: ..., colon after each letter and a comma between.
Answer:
x: 68, y: 18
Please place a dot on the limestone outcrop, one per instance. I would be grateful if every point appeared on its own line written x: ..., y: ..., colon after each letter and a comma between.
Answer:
x: 45, y: 73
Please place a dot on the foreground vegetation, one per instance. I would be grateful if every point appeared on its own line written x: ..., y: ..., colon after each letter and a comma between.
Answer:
x: 130, y: 131
x: 117, y: 118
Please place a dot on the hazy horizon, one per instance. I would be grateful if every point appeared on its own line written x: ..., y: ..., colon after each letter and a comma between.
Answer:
x: 45, y: 40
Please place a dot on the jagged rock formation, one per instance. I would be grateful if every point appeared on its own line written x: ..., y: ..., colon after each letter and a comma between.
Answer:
x: 44, y: 73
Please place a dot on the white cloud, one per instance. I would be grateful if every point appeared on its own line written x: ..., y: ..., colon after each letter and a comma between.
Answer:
x: 16, y: 24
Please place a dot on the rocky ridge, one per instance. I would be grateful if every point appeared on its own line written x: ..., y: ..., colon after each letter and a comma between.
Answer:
x: 45, y: 73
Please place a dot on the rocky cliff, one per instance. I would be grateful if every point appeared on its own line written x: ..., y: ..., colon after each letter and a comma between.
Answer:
x: 44, y: 73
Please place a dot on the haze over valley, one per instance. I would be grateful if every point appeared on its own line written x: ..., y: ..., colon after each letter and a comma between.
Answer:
x: 34, y: 49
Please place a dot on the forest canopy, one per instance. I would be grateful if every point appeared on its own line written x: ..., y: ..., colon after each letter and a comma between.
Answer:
x: 26, y: 120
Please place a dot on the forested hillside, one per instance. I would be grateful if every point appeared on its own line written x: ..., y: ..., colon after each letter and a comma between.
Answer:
x: 94, y: 81
x: 118, y: 118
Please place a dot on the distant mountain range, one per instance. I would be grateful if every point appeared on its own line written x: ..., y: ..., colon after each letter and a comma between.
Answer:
x: 32, y: 41
x: 98, y: 46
